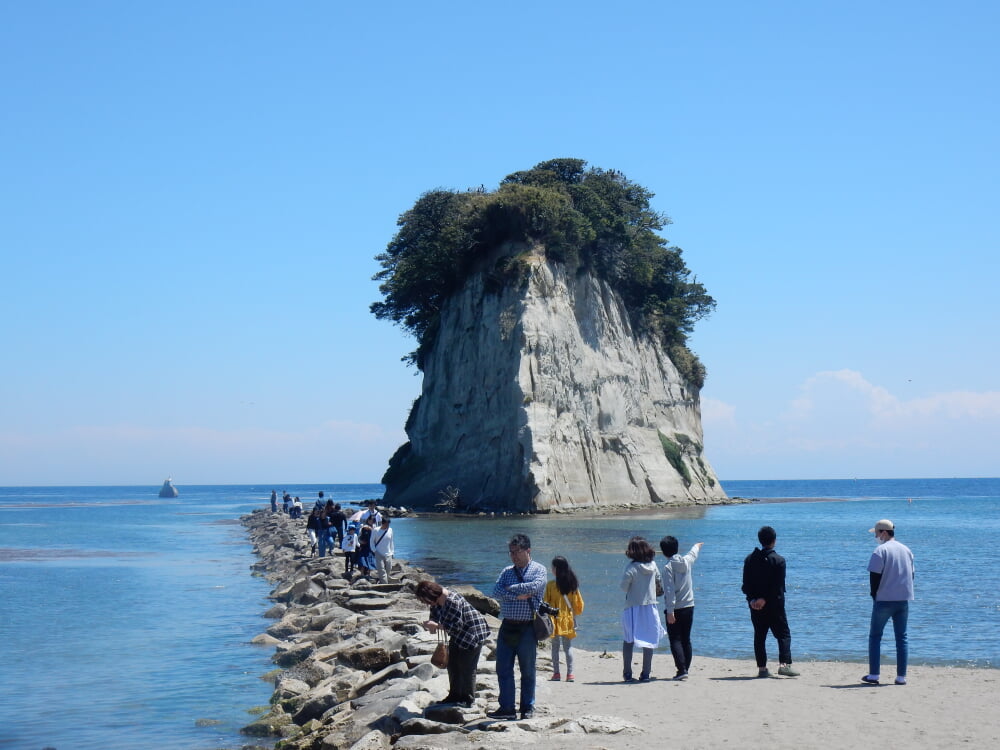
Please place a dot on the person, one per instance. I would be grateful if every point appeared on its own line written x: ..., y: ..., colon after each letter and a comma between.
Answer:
x: 338, y: 523
x: 372, y: 514
x: 764, y: 587
x: 678, y: 601
x: 563, y: 594
x: 296, y: 511
x: 384, y: 547
x: 314, y: 528
x: 363, y: 556
x: 890, y: 573
x: 286, y: 501
x: 274, y: 501
x: 640, y: 621
x: 467, y: 632
x: 519, y: 590
x: 326, y: 532
x: 349, y: 547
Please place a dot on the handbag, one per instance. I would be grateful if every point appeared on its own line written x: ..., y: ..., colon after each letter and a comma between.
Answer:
x: 440, y: 656
x: 542, y: 625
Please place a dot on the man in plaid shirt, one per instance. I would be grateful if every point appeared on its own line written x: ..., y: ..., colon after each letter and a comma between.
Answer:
x: 519, y: 590
x: 468, y: 631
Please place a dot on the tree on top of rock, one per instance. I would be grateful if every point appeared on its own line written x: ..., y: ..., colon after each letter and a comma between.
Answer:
x: 594, y: 218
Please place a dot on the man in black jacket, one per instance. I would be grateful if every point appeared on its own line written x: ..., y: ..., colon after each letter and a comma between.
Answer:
x: 764, y: 587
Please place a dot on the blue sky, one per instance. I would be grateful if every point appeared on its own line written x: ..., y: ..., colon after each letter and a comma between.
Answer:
x: 193, y: 194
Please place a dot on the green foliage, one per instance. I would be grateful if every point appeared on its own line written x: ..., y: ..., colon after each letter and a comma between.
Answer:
x: 675, y: 455
x: 595, y: 218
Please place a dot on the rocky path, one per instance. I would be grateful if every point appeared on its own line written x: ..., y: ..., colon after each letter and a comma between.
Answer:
x: 354, y: 665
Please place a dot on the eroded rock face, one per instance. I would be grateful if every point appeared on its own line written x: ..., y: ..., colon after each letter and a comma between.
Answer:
x: 542, y: 397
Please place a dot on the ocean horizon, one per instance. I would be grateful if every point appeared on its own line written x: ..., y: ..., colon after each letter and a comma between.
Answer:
x: 127, y: 618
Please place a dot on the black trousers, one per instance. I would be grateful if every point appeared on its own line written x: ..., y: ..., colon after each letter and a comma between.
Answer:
x: 680, y: 638
x: 771, y: 618
x: 462, y: 664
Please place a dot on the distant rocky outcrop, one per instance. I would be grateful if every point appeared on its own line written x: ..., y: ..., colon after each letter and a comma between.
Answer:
x: 168, y: 489
x: 541, y: 396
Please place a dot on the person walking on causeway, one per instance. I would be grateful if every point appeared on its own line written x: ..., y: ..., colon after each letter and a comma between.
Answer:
x: 564, y: 594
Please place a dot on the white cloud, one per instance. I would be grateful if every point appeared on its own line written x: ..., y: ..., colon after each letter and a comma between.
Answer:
x: 713, y: 410
x: 840, y: 424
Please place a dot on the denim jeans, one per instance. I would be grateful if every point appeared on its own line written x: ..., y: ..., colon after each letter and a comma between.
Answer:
x: 516, y: 640
x: 324, y: 543
x: 881, y: 612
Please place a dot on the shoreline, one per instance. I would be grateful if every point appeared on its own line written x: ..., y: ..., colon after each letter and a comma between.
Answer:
x: 607, y: 511
x: 353, y: 671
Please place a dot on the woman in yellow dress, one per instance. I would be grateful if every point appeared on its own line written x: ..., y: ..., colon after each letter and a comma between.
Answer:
x: 563, y: 593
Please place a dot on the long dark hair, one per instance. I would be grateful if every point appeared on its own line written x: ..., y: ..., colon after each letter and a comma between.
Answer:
x: 565, y: 577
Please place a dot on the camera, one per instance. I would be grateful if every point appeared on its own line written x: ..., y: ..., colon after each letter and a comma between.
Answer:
x: 547, y: 609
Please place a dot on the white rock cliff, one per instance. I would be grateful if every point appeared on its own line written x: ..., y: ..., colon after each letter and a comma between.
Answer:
x: 541, y: 397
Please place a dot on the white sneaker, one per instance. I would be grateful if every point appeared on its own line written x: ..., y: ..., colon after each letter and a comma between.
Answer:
x: 900, y: 680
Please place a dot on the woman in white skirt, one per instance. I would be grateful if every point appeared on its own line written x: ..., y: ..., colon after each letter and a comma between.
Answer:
x: 641, y: 624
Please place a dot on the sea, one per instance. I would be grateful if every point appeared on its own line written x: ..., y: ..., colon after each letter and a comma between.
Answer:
x: 126, y: 619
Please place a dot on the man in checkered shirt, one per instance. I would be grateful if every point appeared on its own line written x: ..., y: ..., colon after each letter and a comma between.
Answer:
x: 519, y: 590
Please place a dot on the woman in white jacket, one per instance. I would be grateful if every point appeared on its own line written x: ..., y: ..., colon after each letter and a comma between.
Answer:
x: 678, y: 601
x: 640, y: 621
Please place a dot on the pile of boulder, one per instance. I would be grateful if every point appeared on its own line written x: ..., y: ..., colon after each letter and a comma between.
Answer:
x: 353, y: 660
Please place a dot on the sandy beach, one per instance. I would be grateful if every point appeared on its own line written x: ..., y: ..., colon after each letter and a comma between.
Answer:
x: 724, y: 704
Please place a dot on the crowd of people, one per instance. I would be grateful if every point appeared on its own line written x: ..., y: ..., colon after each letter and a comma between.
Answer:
x: 365, y: 539
x: 525, y: 595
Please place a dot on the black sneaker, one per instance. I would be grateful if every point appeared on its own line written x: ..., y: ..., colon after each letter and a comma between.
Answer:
x: 503, y: 714
x: 529, y: 714
x: 681, y: 676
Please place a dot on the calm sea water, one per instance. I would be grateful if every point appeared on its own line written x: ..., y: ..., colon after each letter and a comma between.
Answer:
x: 952, y: 526
x: 126, y: 619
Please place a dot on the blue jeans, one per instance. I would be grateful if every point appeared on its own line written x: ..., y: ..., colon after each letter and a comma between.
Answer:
x: 516, y: 640
x: 324, y: 542
x: 881, y: 612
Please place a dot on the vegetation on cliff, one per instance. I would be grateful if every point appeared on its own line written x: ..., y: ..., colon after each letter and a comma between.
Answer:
x: 594, y: 219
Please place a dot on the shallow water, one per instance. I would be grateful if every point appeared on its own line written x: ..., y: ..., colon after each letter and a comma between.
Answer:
x: 126, y: 619
x: 951, y: 526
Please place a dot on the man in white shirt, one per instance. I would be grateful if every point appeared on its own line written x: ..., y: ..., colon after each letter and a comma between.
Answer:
x: 384, y: 548
x: 890, y: 570
x: 373, y: 514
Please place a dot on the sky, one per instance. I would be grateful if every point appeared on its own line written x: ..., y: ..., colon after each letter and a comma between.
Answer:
x: 192, y: 196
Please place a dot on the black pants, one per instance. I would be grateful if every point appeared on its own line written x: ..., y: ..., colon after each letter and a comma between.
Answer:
x: 462, y: 664
x: 772, y: 618
x: 680, y: 638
